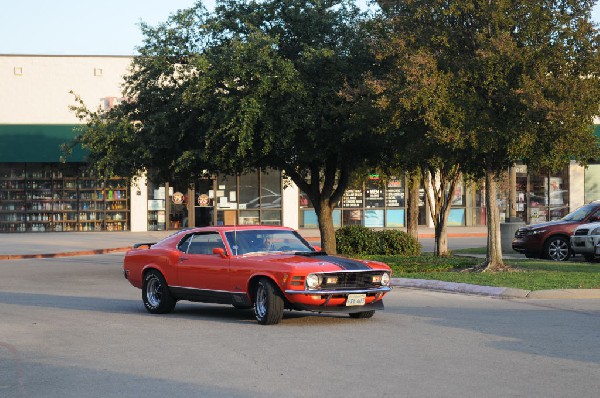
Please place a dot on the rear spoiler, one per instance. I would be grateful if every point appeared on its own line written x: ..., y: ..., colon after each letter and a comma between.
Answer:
x: 138, y: 245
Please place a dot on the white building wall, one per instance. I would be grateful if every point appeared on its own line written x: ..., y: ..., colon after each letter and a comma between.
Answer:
x: 139, y: 204
x: 290, y: 204
x: 576, y: 186
x: 35, y: 89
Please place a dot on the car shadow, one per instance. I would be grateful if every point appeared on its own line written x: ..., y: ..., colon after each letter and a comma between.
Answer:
x: 183, y: 309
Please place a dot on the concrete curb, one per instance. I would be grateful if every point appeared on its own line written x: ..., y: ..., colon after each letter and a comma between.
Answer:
x: 492, y: 291
x: 65, y: 254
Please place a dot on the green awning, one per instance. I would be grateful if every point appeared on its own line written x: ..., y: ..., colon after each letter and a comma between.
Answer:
x: 37, y: 143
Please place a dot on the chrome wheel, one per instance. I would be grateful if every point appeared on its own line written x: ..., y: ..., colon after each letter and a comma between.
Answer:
x: 558, y: 249
x: 156, y: 295
x: 153, y: 291
x: 268, y: 302
x: 261, y: 302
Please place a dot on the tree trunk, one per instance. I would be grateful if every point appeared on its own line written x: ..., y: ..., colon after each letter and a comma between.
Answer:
x: 494, y: 247
x: 412, y: 216
x: 440, y: 187
x: 325, y: 216
x: 441, y: 237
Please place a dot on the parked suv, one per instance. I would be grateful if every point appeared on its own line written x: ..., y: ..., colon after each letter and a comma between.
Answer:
x: 584, y: 240
x: 551, y: 239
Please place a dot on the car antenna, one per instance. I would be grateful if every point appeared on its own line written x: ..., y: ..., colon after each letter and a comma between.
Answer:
x: 235, y: 234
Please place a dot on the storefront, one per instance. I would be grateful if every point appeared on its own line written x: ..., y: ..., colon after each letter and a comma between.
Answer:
x: 249, y: 199
x: 56, y: 197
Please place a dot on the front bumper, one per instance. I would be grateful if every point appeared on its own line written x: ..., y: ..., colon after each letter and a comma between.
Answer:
x: 335, y: 300
x: 584, y: 244
x: 374, y: 306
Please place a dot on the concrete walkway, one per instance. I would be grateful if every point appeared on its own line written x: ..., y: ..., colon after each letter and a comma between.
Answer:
x: 62, y: 244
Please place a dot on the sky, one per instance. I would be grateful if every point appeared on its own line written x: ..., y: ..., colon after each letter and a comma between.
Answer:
x: 88, y: 27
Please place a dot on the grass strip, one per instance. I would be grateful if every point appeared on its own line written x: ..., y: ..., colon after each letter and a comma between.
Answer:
x: 526, y: 274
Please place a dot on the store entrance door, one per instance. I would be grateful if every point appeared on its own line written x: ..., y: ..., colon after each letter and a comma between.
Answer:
x: 204, y: 204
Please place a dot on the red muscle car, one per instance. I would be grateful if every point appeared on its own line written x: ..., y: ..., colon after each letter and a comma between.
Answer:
x: 268, y: 268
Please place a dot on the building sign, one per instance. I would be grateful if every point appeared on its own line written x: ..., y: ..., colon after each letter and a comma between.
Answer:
x: 178, y: 198
x: 353, y: 198
x: 203, y: 200
x: 374, y: 197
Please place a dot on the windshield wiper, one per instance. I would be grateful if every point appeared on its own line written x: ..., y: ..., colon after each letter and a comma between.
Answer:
x: 310, y: 254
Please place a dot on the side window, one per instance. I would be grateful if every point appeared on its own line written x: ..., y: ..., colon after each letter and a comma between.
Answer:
x: 185, y: 243
x: 205, y: 243
x: 595, y: 216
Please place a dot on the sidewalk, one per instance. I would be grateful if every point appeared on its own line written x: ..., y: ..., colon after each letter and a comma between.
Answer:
x: 57, y: 244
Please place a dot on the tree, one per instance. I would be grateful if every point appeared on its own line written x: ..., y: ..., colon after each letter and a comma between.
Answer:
x: 409, y: 85
x: 522, y: 83
x: 274, y: 84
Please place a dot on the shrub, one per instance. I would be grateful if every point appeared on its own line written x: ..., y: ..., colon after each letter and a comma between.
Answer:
x: 356, y: 239
x: 394, y: 242
x: 359, y: 240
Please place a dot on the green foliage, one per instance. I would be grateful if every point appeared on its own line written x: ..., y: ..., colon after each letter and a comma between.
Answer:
x: 359, y: 240
x: 397, y: 242
x: 356, y: 239
x: 275, y: 83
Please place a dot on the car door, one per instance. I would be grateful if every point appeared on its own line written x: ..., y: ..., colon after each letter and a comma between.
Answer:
x: 199, y: 268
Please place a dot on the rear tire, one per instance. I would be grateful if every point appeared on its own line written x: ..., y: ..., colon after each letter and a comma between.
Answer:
x: 362, y: 315
x: 156, y: 295
x: 268, y: 302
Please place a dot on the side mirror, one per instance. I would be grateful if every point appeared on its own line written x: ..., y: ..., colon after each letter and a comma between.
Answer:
x: 317, y: 248
x: 220, y: 251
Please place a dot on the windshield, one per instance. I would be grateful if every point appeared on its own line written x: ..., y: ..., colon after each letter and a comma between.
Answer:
x: 266, y: 241
x: 579, y: 214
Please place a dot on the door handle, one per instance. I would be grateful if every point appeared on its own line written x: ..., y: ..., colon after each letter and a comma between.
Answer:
x: 182, y: 259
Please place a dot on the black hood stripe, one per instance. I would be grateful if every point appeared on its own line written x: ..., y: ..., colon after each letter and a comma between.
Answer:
x: 346, y: 263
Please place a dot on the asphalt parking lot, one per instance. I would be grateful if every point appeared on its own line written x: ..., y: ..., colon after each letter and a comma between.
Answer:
x: 74, y: 327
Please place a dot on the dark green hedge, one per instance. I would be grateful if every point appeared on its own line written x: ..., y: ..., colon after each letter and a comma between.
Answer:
x: 359, y: 240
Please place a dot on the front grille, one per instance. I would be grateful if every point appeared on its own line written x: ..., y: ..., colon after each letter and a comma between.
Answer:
x: 351, y: 280
x: 583, y: 231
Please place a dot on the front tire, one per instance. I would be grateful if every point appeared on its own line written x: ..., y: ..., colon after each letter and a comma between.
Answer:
x: 268, y: 303
x: 362, y: 315
x: 557, y: 249
x: 156, y: 295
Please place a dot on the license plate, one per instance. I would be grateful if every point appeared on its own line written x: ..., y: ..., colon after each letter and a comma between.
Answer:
x: 356, y: 299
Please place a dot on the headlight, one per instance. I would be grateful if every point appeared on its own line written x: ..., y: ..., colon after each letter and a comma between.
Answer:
x: 595, y: 231
x: 313, y: 281
x: 536, y: 231
x: 385, y: 279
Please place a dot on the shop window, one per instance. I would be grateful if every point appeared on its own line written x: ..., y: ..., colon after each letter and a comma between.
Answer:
x: 249, y: 217
x: 374, y: 218
x: 157, y: 220
x: 249, y: 198
x: 395, y: 193
x: 374, y: 193
x: 226, y: 192
x: 41, y: 197
x: 394, y: 218
x: 352, y: 217
x: 456, y: 217
x: 309, y: 219
x: 270, y: 190
x: 270, y: 217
